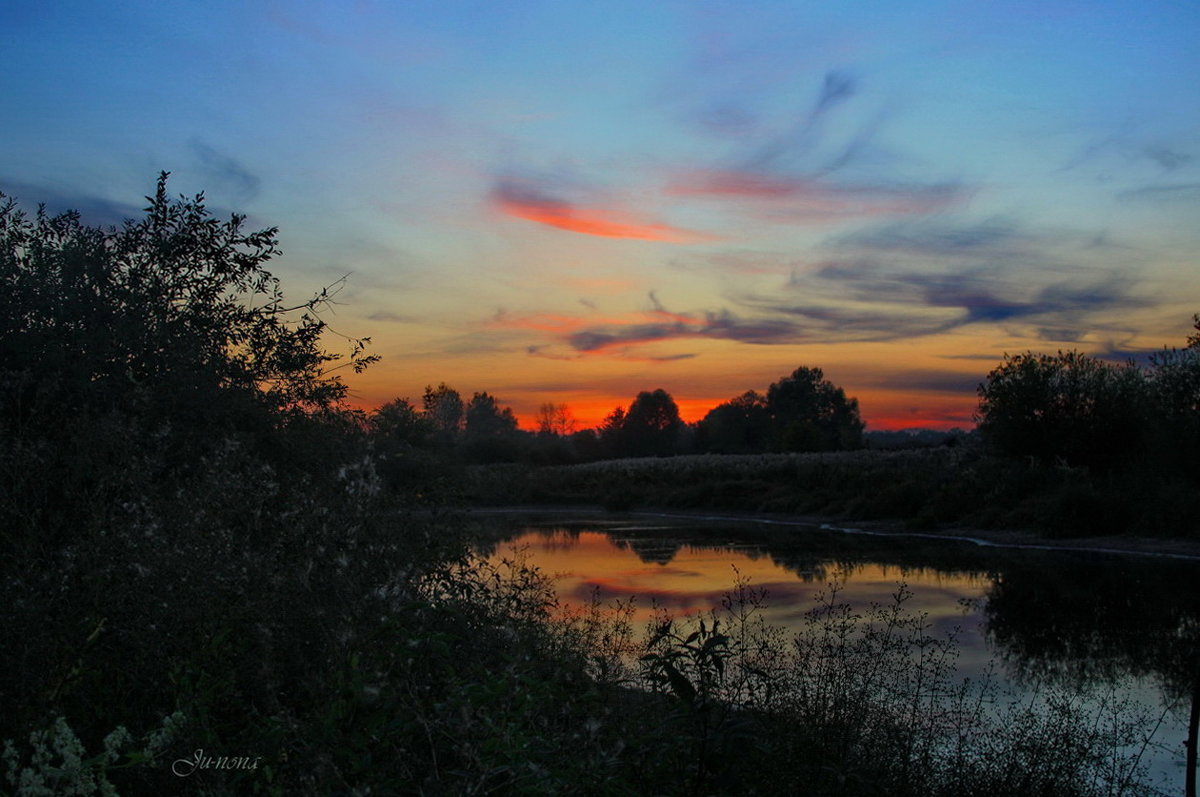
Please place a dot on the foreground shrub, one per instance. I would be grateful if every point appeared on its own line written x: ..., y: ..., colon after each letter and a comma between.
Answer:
x: 866, y: 702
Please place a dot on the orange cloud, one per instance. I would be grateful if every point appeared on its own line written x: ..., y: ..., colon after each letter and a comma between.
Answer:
x: 595, y: 223
x: 524, y: 202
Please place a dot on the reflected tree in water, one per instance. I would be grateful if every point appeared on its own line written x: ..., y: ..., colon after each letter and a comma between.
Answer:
x: 1100, y: 621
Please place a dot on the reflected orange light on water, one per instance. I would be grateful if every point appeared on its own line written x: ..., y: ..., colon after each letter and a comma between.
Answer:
x: 688, y: 579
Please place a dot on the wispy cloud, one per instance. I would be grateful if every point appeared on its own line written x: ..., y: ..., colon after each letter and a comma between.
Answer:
x: 924, y: 380
x: 832, y: 322
x: 1169, y: 159
x: 837, y: 87
x: 1182, y: 193
x: 664, y: 325
x: 800, y: 173
x: 388, y: 316
x: 224, y: 174
x: 626, y: 353
x: 1126, y: 145
x: 93, y: 209
x: 812, y: 199
x: 739, y: 262
x: 524, y: 200
x: 620, y: 336
x: 990, y: 239
x: 894, y: 282
x: 867, y: 300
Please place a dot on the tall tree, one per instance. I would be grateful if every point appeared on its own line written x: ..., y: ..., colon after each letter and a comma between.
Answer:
x: 491, y: 431
x: 169, y: 314
x: 130, y: 357
x: 486, y: 418
x: 741, y: 425
x: 555, y: 419
x: 810, y: 413
x: 443, y: 407
x: 1067, y: 406
x: 612, y: 433
x: 399, y: 421
x: 1174, y: 428
x: 652, y: 425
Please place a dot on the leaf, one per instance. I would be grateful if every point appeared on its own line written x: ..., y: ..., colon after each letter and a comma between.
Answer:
x: 661, y: 632
x: 679, y: 684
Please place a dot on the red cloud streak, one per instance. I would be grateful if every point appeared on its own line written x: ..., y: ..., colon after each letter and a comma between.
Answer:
x: 805, y: 197
x: 588, y: 221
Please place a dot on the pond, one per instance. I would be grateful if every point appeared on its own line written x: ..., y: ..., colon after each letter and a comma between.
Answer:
x: 1033, y: 617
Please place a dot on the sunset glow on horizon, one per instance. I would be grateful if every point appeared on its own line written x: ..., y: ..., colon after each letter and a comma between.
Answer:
x: 572, y: 203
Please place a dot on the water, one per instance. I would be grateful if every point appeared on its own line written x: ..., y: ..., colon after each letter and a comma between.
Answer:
x: 1129, y: 623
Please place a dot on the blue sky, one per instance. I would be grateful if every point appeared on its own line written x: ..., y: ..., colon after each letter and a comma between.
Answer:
x: 572, y: 202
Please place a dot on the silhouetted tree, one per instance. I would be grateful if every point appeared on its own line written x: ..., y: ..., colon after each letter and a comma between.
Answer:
x: 741, y: 425
x: 1174, y: 380
x: 810, y: 413
x: 612, y: 433
x: 652, y: 425
x: 399, y: 421
x: 443, y: 406
x: 486, y: 418
x: 491, y: 431
x: 1067, y: 406
x: 131, y: 357
x: 555, y: 419
x: 172, y: 317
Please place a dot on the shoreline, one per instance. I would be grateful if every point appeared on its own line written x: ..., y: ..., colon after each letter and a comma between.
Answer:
x: 1186, y: 550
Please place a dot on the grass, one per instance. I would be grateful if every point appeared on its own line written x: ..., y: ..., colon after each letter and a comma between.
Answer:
x: 919, y: 489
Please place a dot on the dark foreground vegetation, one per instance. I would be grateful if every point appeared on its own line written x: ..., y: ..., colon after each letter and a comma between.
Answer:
x: 212, y: 583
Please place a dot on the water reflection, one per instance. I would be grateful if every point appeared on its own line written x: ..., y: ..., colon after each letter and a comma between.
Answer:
x: 1111, y: 622
x: 1072, y: 617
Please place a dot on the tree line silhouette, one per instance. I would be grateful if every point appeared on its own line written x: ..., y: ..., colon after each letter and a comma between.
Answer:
x: 1068, y: 409
x: 800, y: 412
x: 1077, y: 410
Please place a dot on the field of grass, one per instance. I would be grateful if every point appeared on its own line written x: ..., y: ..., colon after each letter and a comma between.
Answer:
x: 920, y: 489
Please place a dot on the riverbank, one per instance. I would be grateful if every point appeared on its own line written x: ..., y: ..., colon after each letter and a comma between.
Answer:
x: 941, y: 491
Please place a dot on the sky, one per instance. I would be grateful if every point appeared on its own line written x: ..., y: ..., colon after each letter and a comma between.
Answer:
x: 573, y: 202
